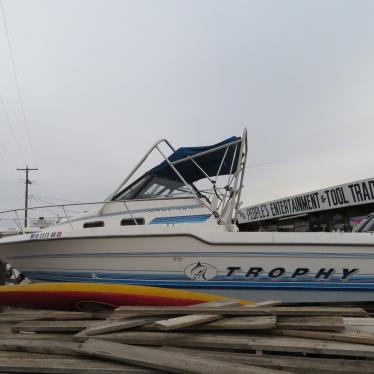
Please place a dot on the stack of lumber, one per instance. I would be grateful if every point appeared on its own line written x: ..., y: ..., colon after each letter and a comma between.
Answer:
x: 217, y: 337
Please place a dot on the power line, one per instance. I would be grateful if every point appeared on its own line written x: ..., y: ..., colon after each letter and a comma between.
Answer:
x: 6, y: 150
x: 57, y: 199
x: 6, y: 164
x: 25, y: 121
x: 42, y: 182
x: 264, y: 163
x: 8, y: 181
x: 10, y: 124
x: 48, y: 203
x: 40, y: 201
x: 14, y: 203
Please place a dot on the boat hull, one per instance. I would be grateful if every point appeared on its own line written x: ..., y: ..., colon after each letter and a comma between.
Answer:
x: 255, y: 270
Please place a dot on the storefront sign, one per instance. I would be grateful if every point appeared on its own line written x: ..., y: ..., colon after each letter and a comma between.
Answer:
x: 361, y: 192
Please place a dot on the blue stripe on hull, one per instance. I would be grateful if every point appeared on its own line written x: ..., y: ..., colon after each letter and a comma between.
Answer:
x: 198, y: 218
x: 248, y: 285
x: 362, y: 278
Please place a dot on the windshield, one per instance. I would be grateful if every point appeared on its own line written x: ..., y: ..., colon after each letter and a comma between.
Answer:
x: 153, y: 187
x: 366, y: 225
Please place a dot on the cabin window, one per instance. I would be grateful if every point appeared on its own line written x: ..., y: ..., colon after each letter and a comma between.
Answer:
x: 131, y: 222
x: 88, y: 225
x: 149, y: 187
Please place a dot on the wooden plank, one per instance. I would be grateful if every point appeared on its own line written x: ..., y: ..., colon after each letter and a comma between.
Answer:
x: 34, y: 336
x: 295, y: 364
x: 5, y: 327
x: 6, y: 324
x: 240, y: 323
x: 20, y: 354
x: 67, y: 366
x: 213, y: 304
x: 101, y: 314
x: 13, y: 317
x: 118, y: 325
x: 195, y: 319
x: 186, y: 321
x: 345, y: 304
x: 320, y: 323
x: 117, y: 315
x: 265, y: 303
x: 242, y: 311
x: 238, y: 342
x: 48, y: 313
x: 359, y: 325
x: 31, y: 311
x: 108, y: 326
x: 218, y: 304
x: 171, y: 362
x: 51, y: 326
x: 365, y: 330
x: 333, y: 336
x: 40, y: 346
x: 353, y: 321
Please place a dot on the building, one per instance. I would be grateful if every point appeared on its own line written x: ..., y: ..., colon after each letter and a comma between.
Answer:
x: 337, y: 208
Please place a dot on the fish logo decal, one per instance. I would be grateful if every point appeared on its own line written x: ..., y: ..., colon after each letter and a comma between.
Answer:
x: 200, y: 271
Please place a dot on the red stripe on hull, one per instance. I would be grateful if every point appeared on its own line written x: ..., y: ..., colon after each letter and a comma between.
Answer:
x: 68, y: 300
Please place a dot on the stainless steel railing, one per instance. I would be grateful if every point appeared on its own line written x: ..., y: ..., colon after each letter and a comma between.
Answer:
x: 37, y: 214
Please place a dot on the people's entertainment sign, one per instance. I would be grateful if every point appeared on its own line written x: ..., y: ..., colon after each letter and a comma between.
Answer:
x: 360, y: 192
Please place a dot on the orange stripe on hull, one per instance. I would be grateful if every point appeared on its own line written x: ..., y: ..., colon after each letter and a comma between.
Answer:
x: 113, y: 288
x: 67, y: 295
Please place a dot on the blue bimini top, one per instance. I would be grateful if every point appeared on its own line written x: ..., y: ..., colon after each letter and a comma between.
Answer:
x: 209, y: 162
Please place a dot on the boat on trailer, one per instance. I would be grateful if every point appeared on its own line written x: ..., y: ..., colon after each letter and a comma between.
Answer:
x: 176, y: 226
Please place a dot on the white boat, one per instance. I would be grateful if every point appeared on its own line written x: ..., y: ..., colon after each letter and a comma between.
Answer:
x: 166, y: 228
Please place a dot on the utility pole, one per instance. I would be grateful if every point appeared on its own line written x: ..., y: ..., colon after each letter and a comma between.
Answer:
x: 27, y: 182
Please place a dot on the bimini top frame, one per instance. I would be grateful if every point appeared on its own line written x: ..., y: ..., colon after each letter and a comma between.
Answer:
x: 188, y: 165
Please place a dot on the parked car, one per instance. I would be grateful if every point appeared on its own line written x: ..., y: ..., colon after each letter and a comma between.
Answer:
x: 366, y: 225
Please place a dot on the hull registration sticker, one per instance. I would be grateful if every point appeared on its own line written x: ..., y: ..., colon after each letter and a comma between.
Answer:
x: 46, y: 235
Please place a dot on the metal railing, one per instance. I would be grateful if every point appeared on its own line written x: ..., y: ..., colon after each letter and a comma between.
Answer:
x: 229, y: 194
x: 15, y: 215
x: 68, y: 216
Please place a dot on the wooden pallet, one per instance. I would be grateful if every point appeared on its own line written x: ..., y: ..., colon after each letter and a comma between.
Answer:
x: 218, y: 337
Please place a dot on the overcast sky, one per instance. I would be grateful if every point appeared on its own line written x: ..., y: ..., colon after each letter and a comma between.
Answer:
x: 102, y: 80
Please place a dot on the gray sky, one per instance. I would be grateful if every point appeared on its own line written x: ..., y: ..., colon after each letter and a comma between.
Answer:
x: 102, y: 80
